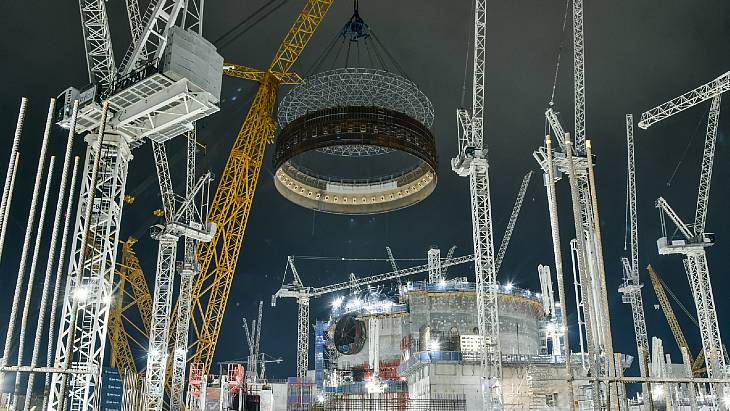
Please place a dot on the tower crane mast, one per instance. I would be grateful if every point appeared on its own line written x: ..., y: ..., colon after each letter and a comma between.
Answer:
x: 631, y: 288
x: 471, y: 161
x: 695, y: 238
x: 574, y: 158
x: 159, y: 102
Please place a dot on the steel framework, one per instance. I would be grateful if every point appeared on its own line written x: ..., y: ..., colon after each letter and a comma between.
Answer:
x: 471, y: 161
x: 512, y: 221
x: 82, y: 336
x: 231, y: 204
x: 631, y: 288
x: 350, y: 87
x: 144, y: 104
x: 695, y: 238
x: 297, y: 290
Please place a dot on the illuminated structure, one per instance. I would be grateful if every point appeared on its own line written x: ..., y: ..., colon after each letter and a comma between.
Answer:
x: 355, y: 113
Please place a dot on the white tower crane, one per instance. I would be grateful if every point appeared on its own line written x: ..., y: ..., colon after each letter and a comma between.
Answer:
x: 253, y: 338
x: 631, y: 287
x: 512, y: 221
x: 471, y: 161
x: 158, y: 95
x: 303, y: 294
x: 695, y: 240
x: 178, y: 222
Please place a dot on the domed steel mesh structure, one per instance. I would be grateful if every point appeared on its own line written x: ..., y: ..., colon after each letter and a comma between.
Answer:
x: 356, y: 112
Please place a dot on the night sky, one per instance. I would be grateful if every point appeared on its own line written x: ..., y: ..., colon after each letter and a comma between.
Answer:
x: 638, y: 55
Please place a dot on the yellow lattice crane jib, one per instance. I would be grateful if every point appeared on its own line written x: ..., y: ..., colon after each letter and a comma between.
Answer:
x: 131, y: 292
x: 672, y: 321
x: 231, y: 204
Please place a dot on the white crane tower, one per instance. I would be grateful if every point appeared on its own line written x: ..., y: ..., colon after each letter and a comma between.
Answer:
x: 695, y: 240
x: 169, y: 78
x: 189, y: 221
x: 471, y: 161
x: 631, y: 287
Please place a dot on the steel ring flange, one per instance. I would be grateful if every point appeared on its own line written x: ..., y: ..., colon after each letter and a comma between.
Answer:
x: 364, y: 126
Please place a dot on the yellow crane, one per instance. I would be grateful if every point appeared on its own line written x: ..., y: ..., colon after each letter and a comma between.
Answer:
x: 131, y: 292
x: 232, y: 201
x: 658, y: 285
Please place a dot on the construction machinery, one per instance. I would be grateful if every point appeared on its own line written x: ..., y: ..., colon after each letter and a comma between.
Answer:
x: 471, y: 161
x: 253, y: 338
x: 232, y: 201
x: 574, y: 158
x: 694, y: 238
x: 180, y: 220
x: 303, y: 294
x: 631, y: 287
x: 126, y: 325
x: 512, y: 221
x: 168, y: 79
x: 659, y: 286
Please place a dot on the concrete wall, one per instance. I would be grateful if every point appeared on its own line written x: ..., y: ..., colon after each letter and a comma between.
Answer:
x: 390, y: 337
x: 454, y: 313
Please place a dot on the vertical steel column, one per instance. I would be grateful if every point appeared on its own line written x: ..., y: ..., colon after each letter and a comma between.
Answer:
x: 10, y: 174
x: 58, y: 283
x: 586, y: 283
x: 603, y: 297
x: 51, y: 255
x: 31, y: 281
x: 555, y: 234
x: 157, y: 352
x: 82, y: 336
x: 26, y: 241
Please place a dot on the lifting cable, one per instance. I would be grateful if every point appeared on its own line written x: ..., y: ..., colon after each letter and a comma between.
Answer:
x: 691, y: 139
x: 466, y: 60
x: 676, y: 299
x: 229, y: 37
x: 557, y: 63
x: 560, y: 52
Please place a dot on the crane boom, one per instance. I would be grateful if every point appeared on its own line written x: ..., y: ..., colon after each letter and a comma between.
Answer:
x: 708, y: 158
x: 471, y: 161
x: 689, y: 99
x: 149, y: 46
x: 97, y: 42
x: 552, y: 119
x: 378, y: 278
x: 669, y: 313
x: 579, y: 78
x: 135, y: 19
x: 512, y: 221
x: 233, y: 198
